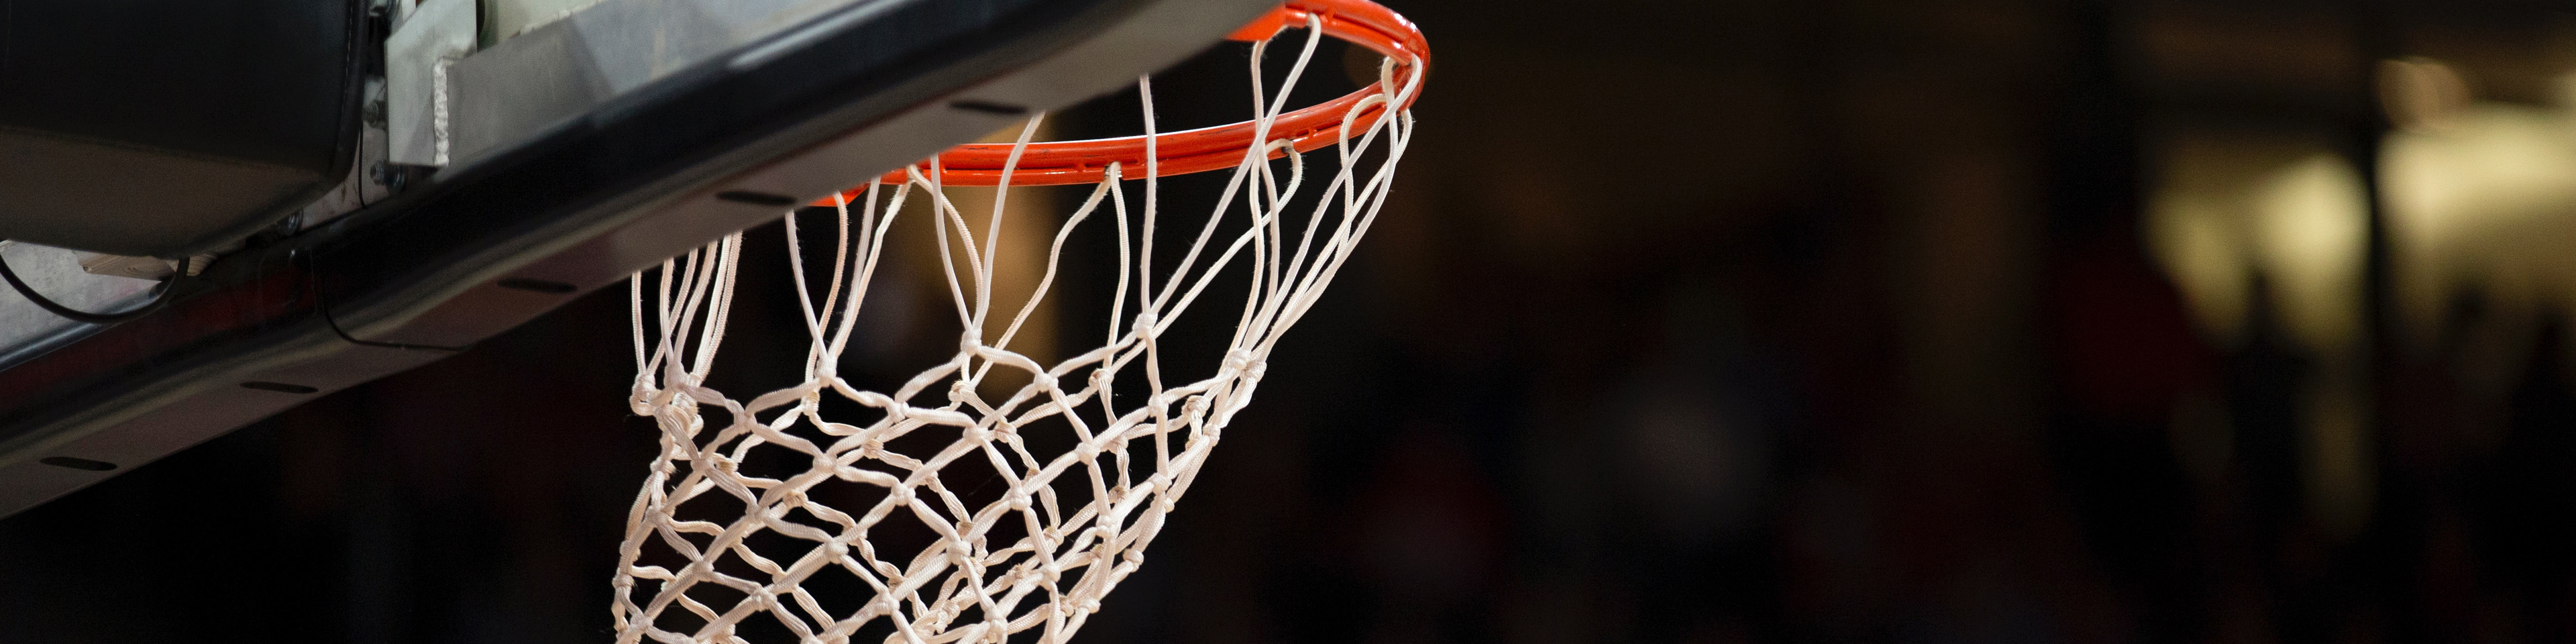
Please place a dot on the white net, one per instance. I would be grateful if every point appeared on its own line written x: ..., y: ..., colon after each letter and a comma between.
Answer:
x: 964, y: 506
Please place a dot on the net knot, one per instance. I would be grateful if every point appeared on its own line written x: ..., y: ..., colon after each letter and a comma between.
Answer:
x: 640, y: 399
x: 1243, y: 361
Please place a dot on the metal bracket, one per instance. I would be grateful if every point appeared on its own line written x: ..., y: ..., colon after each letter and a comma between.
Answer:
x: 427, y: 43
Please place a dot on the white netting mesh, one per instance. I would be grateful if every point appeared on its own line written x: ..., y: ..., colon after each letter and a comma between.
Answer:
x: 874, y: 505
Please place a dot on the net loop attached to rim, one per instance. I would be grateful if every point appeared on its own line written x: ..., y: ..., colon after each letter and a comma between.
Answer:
x: 995, y: 496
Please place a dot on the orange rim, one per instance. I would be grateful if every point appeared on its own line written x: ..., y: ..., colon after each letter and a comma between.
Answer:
x: 1059, y: 163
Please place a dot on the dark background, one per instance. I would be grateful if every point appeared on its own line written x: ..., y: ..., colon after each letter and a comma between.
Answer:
x: 1690, y: 322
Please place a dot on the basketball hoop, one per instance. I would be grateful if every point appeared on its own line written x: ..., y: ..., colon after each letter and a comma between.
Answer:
x: 1060, y: 163
x: 757, y: 512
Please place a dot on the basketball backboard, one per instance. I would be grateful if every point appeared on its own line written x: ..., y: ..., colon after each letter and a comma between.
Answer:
x: 566, y: 154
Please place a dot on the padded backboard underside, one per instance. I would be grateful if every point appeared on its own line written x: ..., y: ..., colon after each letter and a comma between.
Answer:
x: 130, y: 200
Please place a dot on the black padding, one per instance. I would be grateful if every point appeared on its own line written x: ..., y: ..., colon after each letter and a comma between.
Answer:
x: 161, y: 127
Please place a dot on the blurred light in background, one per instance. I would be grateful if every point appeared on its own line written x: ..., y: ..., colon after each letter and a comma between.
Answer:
x: 2481, y: 199
x: 2266, y: 227
x: 2235, y: 209
x: 2265, y: 230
